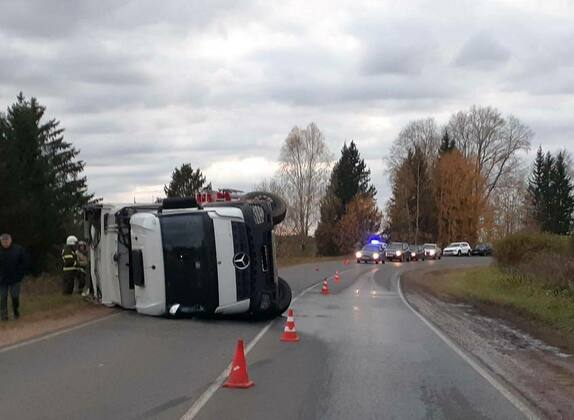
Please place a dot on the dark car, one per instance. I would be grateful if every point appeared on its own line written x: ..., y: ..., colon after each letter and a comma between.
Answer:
x: 398, y: 251
x: 371, y: 253
x: 417, y: 252
x: 482, y: 250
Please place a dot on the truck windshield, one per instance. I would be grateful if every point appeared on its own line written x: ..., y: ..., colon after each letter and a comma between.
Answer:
x: 189, y: 259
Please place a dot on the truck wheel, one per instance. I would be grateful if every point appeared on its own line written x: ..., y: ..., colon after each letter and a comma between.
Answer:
x: 284, y: 296
x: 278, y: 205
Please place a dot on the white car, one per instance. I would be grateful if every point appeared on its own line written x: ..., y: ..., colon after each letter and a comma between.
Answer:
x: 458, y: 249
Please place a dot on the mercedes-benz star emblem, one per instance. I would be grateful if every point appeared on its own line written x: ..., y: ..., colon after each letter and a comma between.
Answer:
x: 241, y: 260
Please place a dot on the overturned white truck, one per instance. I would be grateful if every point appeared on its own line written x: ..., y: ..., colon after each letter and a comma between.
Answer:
x: 179, y: 257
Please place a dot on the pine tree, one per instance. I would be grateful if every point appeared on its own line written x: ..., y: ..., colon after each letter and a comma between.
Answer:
x: 536, y: 189
x: 185, y: 182
x: 546, y: 223
x: 562, y: 197
x: 42, y: 187
x: 350, y: 176
x: 446, y: 144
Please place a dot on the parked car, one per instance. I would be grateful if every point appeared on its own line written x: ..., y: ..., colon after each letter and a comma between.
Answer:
x: 457, y: 249
x: 398, y: 251
x: 482, y: 249
x: 417, y: 252
x: 432, y: 251
x: 371, y: 253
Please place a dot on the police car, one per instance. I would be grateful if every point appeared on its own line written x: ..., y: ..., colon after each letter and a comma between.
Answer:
x: 371, y: 253
x: 182, y: 258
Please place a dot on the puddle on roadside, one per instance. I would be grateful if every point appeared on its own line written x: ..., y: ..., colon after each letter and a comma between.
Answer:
x: 508, y: 338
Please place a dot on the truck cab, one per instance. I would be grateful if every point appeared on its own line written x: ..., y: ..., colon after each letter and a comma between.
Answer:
x: 186, y: 259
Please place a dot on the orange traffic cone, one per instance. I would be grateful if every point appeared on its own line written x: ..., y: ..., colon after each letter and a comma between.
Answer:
x: 337, y: 278
x: 289, y: 333
x: 238, y: 377
x: 325, y: 288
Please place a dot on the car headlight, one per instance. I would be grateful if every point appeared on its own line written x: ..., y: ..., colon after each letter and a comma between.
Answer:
x: 398, y: 253
x: 413, y: 254
x: 376, y: 255
x: 432, y: 252
x: 359, y: 254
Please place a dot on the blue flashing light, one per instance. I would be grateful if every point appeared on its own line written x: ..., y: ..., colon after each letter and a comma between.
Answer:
x: 375, y: 242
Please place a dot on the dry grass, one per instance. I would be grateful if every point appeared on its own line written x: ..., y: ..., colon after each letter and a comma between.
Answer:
x: 541, y: 258
x: 41, y: 298
x: 288, y: 261
x: 528, y: 298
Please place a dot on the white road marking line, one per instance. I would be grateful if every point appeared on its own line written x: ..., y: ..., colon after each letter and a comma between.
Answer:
x: 212, y: 389
x: 57, y: 333
x: 517, y: 402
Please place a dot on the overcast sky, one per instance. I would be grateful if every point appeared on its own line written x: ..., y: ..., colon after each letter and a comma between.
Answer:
x: 143, y: 86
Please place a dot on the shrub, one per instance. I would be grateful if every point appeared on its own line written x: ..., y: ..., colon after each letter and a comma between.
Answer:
x: 541, y: 258
x: 519, y: 247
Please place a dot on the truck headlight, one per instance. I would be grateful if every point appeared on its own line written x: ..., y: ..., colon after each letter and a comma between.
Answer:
x: 398, y: 253
x: 413, y: 254
x: 432, y: 252
x: 376, y: 256
x: 359, y: 254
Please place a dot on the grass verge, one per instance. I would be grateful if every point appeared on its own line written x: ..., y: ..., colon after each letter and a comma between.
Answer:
x: 288, y: 261
x: 40, y: 299
x: 515, y: 295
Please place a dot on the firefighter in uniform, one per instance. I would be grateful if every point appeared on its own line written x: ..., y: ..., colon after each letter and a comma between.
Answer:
x: 70, y: 266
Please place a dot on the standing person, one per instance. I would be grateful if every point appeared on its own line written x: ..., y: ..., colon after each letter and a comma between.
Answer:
x: 70, y: 265
x: 13, y: 267
x: 83, y: 262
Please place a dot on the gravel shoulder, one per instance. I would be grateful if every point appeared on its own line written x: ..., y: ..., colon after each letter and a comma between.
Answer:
x: 509, y: 346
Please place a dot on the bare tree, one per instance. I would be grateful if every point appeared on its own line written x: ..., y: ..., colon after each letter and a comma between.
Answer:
x: 304, y: 170
x: 492, y: 141
x: 276, y: 185
x: 509, y: 202
x: 420, y: 134
x: 417, y: 147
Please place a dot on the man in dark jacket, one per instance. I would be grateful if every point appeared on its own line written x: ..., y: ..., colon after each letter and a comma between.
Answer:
x: 13, y: 267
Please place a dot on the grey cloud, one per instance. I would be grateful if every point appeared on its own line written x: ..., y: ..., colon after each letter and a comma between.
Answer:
x: 482, y: 51
x: 57, y: 19
x: 136, y: 109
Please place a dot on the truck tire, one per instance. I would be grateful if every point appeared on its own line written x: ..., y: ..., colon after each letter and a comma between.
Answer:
x: 278, y: 205
x: 284, y: 296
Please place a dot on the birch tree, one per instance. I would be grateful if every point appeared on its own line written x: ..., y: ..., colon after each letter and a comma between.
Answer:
x: 304, y: 169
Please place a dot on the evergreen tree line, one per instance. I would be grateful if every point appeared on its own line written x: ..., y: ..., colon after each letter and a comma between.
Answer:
x: 42, y: 189
x: 551, y: 193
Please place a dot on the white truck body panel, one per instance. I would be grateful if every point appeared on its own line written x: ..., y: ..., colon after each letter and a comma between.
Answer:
x: 146, y: 236
x: 106, y: 271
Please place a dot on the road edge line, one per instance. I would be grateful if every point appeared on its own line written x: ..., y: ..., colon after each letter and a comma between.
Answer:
x: 57, y: 333
x: 522, y: 406
x: 204, y: 398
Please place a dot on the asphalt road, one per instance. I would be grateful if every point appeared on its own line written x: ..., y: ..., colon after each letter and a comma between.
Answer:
x: 363, y: 354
